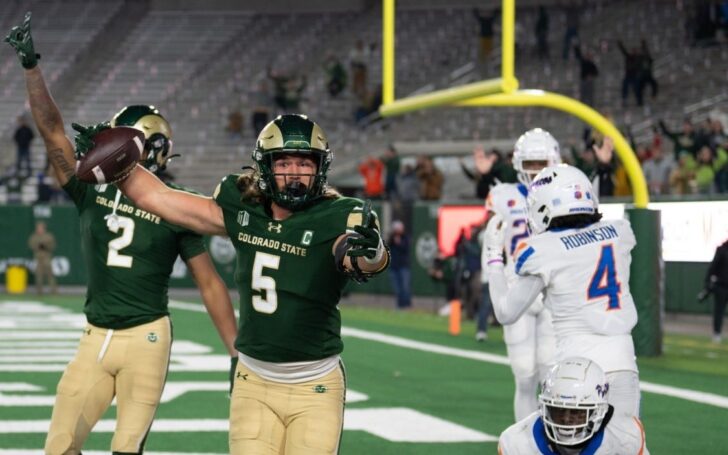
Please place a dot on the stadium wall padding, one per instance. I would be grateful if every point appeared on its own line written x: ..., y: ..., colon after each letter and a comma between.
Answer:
x: 683, y: 280
x: 646, y: 281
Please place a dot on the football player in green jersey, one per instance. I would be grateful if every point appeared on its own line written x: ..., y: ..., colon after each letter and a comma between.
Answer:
x: 298, y: 243
x: 124, y: 350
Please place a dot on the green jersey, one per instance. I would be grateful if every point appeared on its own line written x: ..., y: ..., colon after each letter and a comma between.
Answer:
x: 129, y: 257
x: 287, y: 277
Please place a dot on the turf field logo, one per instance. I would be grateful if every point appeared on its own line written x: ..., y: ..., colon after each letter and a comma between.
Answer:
x: 152, y: 337
x: 274, y: 227
x: 306, y: 239
x: 243, y: 218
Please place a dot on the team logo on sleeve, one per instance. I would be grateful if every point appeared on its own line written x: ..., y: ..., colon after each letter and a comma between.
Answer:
x: 243, y: 218
x: 274, y: 227
x: 306, y: 239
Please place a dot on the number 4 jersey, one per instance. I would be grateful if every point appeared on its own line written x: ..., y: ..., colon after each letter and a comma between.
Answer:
x: 286, y: 274
x: 129, y: 258
x: 586, y: 273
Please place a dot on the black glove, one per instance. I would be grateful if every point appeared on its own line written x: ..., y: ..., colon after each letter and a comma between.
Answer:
x: 22, y: 42
x: 369, y: 242
x: 231, y: 376
x: 84, y: 138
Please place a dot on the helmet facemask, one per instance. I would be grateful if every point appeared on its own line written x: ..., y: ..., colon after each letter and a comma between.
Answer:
x: 571, y: 424
x: 292, y: 136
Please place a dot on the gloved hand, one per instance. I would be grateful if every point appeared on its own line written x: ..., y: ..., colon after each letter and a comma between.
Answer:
x: 368, y: 243
x: 495, y: 233
x: 22, y: 42
x: 84, y: 138
x: 231, y: 376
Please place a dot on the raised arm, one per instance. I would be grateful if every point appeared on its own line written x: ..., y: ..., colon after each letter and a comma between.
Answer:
x: 197, y: 213
x: 45, y: 112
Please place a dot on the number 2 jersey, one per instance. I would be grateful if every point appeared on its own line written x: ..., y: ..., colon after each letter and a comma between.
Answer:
x: 509, y: 201
x: 621, y: 435
x: 586, y: 274
x: 287, y: 277
x: 128, y: 263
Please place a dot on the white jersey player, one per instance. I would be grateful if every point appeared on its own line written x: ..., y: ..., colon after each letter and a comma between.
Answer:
x: 530, y: 340
x: 581, y: 264
x: 574, y: 417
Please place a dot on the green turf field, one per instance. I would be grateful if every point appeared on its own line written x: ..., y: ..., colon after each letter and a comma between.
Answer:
x: 413, y: 389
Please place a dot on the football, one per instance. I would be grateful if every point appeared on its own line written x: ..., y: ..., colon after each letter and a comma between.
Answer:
x: 115, y: 153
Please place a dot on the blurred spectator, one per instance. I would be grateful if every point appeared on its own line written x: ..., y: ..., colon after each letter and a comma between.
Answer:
x: 716, y: 135
x: 358, y: 58
x: 482, y: 175
x: 646, y: 76
x: 336, y: 77
x: 287, y: 89
x: 685, y: 141
x: 571, y: 31
x: 23, y: 137
x: 721, y: 168
x: 490, y: 169
x: 369, y: 106
x: 588, y: 72
x: 371, y: 169
x: 542, y: 33
x: 443, y: 269
x: 235, y: 123
x: 632, y: 73
x: 391, y: 163
x: 486, y: 31
x: 43, y: 243
x: 716, y: 281
x: 468, y: 251
x: 682, y: 177
x: 705, y: 22
x: 261, y: 101
x: 409, y: 191
x: 603, y: 175
x: 399, y: 267
x: 657, y: 171
x: 430, y: 177
x: 585, y: 160
x: 704, y: 171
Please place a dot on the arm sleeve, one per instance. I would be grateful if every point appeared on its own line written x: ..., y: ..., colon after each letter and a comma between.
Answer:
x: 510, y: 304
x: 190, y: 245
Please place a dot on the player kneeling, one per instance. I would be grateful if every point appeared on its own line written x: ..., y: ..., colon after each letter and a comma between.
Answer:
x: 574, y: 417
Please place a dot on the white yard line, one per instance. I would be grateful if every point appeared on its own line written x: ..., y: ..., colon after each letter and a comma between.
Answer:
x: 675, y: 392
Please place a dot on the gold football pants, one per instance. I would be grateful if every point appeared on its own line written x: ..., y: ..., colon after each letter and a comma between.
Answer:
x: 129, y: 363
x: 272, y: 418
